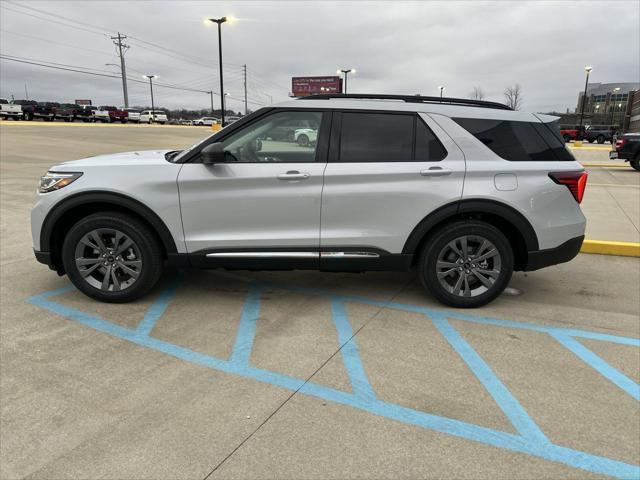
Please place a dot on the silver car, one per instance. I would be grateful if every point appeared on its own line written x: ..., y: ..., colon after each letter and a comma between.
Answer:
x: 464, y: 192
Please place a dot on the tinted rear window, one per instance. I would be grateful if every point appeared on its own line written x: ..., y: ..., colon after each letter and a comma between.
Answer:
x: 376, y: 137
x: 516, y: 141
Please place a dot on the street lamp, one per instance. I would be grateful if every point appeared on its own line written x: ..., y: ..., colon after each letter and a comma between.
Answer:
x: 346, y: 71
x: 441, y: 87
x: 584, y: 100
x: 220, y: 21
x: 153, y: 107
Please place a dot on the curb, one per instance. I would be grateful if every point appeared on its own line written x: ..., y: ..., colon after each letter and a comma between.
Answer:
x: 603, y: 247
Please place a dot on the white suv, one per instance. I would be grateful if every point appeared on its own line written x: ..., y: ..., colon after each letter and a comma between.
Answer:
x: 463, y: 191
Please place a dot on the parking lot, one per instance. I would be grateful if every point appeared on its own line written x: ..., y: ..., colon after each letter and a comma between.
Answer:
x: 314, y: 375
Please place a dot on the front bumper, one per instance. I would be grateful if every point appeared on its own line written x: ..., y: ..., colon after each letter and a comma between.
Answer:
x: 563, y: 253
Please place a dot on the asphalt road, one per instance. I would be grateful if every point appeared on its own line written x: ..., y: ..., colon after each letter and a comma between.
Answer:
x: 305, y: 374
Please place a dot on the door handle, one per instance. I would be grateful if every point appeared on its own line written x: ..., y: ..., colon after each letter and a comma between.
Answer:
x: 293, y: 175
x: 436, y: 172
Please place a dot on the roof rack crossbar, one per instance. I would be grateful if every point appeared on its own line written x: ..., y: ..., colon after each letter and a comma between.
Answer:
x: 411, y: 99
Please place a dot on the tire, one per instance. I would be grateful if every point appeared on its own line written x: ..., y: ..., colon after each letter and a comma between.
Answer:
x: 143, y: 256
x: 450, y: 289
x: 123, y: 121
x: 635, y: 164
x: 567, y: 138
x: 303, y: 140
x: 600, y: 139
x: 28, y: 116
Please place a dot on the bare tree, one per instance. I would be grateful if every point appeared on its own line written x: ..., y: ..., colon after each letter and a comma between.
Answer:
x: 477, y: 94
x: 513, y: 96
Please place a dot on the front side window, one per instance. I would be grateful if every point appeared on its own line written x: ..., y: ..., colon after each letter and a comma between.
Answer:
x: 515, y: 141
x: 376, y: 137
x: 289, y: 137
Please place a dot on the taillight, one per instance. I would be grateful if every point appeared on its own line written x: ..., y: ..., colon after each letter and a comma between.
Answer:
x: 621, y: 142
x: 574, y: 181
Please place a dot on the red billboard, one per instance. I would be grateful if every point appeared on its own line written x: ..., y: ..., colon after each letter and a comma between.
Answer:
x: 303, y: 86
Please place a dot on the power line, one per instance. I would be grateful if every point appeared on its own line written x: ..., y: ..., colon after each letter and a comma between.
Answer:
x: 48, y: 40
x: 62, y: 17
x: 52, y: 21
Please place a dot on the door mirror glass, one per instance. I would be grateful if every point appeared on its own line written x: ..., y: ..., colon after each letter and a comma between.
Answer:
x: 212, y: 154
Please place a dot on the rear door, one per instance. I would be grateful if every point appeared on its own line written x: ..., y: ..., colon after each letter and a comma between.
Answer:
x: 386, y: 172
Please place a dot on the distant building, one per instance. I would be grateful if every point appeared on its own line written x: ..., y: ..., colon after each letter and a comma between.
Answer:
x: 603, y: 98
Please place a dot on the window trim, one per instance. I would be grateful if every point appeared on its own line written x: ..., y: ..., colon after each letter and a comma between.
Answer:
x: 245, y: 122
x: 336, y: 135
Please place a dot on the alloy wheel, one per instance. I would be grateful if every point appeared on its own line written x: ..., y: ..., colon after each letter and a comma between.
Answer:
x: 468, y: 266
x: 108, y: 259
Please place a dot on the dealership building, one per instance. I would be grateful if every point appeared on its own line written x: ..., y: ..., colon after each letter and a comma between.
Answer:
x: 609, y: 102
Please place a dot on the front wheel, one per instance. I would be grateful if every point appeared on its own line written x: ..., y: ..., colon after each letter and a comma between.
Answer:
x: 466, y: 264
x: 600, y: 139
x: 303, y: 140
x: 112, y: 257
x: 635, y: 164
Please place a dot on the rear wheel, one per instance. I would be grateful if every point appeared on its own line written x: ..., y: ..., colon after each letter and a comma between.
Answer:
x: 28, y: 116
x: 635, y: 163
x: 112, y: 257
x: 466, y: 264
x: 600, y: 139
x: 303, y: 140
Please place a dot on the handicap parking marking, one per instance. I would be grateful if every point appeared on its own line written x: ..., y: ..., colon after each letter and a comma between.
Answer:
x: 529, y: 440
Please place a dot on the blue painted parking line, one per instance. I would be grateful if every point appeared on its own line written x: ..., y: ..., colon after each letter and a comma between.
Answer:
x: 516, y: 414
x: 530, y: 440
x: 157, y: 308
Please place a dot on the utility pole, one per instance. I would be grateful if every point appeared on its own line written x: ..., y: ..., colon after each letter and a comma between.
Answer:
x: 117, y: 41
x: 26, y: 93
x: 245, y: 87
x: 211, y: 94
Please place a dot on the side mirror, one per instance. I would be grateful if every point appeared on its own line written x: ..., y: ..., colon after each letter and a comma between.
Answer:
x: 212, y: 154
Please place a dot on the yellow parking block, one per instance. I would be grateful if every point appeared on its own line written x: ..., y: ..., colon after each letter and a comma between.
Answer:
x: 602, y: 148
x: 603, y: 247
x: 605, y: 165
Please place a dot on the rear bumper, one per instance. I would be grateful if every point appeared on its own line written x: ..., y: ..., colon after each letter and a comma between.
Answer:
x: 552, y: 256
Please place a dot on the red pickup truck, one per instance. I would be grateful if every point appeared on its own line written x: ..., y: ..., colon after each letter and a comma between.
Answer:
x: 570, y: 132
x: 107, y: 113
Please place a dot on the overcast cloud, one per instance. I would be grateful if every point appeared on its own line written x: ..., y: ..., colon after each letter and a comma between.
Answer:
x: 396, y: 47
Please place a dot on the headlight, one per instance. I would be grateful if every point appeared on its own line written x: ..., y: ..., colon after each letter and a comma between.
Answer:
x: 55, y: 181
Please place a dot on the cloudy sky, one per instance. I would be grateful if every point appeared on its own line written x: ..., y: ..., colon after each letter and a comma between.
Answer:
x: 396, y: 47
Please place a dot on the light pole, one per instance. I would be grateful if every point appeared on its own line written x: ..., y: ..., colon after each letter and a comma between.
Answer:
x: 441, y: 87
x: 584, y: 100
x: 346, y: 72
x: 210, y: 92
x: 220, y: 21
x: 153, y: 107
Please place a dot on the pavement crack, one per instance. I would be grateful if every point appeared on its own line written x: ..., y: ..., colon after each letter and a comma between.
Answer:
x: 308, y: 379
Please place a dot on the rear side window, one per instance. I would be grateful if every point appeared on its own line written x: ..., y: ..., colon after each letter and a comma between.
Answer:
x: 428, y: 147
x: 387, y: 137
x: 516, y: 141
x: 376, y: 137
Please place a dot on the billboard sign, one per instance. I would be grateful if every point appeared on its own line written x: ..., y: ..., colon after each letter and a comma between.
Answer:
x: 303, y: 86
x: 83, y: 102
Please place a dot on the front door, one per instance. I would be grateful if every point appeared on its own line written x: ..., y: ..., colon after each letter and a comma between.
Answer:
x: 261, y: 207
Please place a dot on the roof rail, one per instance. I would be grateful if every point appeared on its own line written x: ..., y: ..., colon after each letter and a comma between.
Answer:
x: 411, y: 99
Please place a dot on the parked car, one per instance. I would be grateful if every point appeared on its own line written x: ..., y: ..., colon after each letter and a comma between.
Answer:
x: 305, y: 136
x: 28, y: 107
x: 206, y: 121
x: 231, y: 119
x: 287, y: 132
x: 133, y: 114
x: 570, y: 132
x: 391, y: 190
x: 600, y: 133
x: 158, y: 116
x: 10, y: 110
x: 627, y: 148
x: 109, y: 114
x: 84, y: 112
x: 65, y: 111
